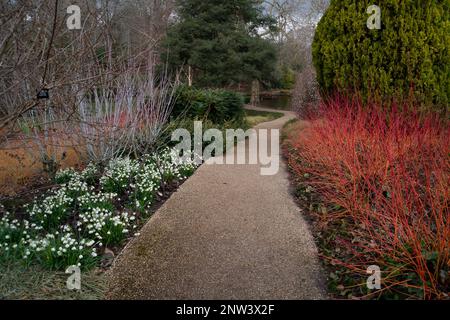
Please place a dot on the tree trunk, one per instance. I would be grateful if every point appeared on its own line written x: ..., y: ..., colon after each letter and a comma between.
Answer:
x: 190, y: 76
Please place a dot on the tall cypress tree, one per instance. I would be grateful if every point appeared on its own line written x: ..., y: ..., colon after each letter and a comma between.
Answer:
x: 410, y: 51
x: 220, y: 41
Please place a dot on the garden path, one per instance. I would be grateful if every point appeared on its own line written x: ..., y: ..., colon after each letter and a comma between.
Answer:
x: 227, y: 233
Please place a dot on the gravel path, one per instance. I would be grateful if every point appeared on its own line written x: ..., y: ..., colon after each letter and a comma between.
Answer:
x: 227, y: 233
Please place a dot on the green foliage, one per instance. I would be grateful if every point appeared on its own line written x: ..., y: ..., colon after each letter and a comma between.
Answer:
x: 216, y: 105
x: 409, y: 53
x: 65, y: 176
x: 118, y: 175
x: 220, y: 41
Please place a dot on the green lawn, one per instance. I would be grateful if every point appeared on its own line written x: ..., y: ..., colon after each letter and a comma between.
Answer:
x: 256, y: 117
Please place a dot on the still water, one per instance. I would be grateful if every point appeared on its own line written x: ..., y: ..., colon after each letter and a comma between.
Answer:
x: 276, y: 102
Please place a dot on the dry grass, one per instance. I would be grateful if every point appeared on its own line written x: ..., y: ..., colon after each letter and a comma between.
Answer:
x: 33, y: 283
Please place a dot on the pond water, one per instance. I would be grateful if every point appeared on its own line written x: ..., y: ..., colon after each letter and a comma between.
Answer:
x: 282, y: 102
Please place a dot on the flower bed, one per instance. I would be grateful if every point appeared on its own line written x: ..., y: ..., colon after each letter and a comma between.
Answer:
x: 88, y: 211
x: 376, y: 183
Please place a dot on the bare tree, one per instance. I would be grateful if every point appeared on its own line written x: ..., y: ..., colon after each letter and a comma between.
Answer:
x: 296, y: 21
x: 305, y: 96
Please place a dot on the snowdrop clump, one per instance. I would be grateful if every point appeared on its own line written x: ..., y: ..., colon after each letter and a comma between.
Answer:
x: 118, y: 175
x: 49, y: 212
x: 88, y: 211
x: 14, y: 237
x: 70, y: 174
x: 106, y: 226
x: 93, y: 200
x: 146, y: 183
x: 22, y: 240
x: 59, y: 250
x: 174, y: 167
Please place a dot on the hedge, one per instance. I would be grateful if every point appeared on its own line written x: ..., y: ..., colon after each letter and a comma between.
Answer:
x: 409, y: 54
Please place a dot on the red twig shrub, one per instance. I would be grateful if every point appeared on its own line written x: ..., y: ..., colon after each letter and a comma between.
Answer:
x: 384, y: 177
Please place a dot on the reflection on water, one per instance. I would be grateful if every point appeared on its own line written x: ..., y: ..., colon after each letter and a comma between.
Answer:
x: 281, y: 102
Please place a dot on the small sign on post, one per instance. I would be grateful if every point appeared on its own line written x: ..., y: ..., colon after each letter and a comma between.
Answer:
x: 43, y: 94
